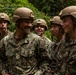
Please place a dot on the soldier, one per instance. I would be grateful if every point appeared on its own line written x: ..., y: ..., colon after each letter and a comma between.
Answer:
x: 39, y: 27
x: 57, y: 32
x: 25, y: 52
x: 4, y: 22
x: 66, y: 55
x: 56, y: 29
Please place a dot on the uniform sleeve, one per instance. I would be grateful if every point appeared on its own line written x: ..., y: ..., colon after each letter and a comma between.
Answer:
x: 72, y: 64
x: 2, y: 57
x: 43, y: 62
x: 69, y: 65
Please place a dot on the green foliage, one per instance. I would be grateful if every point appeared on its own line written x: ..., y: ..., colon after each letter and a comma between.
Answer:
x: 48, y: 34
x: 52, y: 7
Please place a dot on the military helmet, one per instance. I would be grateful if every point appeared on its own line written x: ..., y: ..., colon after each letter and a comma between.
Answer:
x: 4, y: 16
x: 23, y: 13
x: 68, y: 11
x: 40, y: 22
x: 56, y: 20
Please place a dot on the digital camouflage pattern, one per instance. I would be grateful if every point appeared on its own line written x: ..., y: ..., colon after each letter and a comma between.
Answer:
x: 64, y: 58
x: 46, y: 40
x: 1, y: 37
x: 25, y: 57
x: 52, y: 52
x: 68, y: 55
x: 7, y: 33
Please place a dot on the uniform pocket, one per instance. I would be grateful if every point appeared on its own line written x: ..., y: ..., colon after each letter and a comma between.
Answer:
x: 27, y: 52
x: 10, y: 51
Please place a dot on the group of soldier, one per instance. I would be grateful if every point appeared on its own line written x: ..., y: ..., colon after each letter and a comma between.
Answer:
x: 24, y: 52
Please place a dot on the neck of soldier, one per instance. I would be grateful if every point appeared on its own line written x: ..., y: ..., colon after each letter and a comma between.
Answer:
x: 3, y: 33
x: 59, y: 37
x: 72, y: 35
x: 19, y: 34
x: 42, y: 35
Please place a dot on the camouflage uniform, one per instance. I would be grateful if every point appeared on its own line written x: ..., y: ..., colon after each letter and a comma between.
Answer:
x: 65, y: 58
x: 42, y: 22
x: 52, y: 52
x: 3, y: 17
x: 46, y: 40
x: 25, y: 57
x: 1, y: 37
x: 7, y: 33
x: 52, y: 49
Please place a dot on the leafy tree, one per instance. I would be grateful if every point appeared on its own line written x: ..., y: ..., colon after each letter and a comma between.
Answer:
x: 52, y: 7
